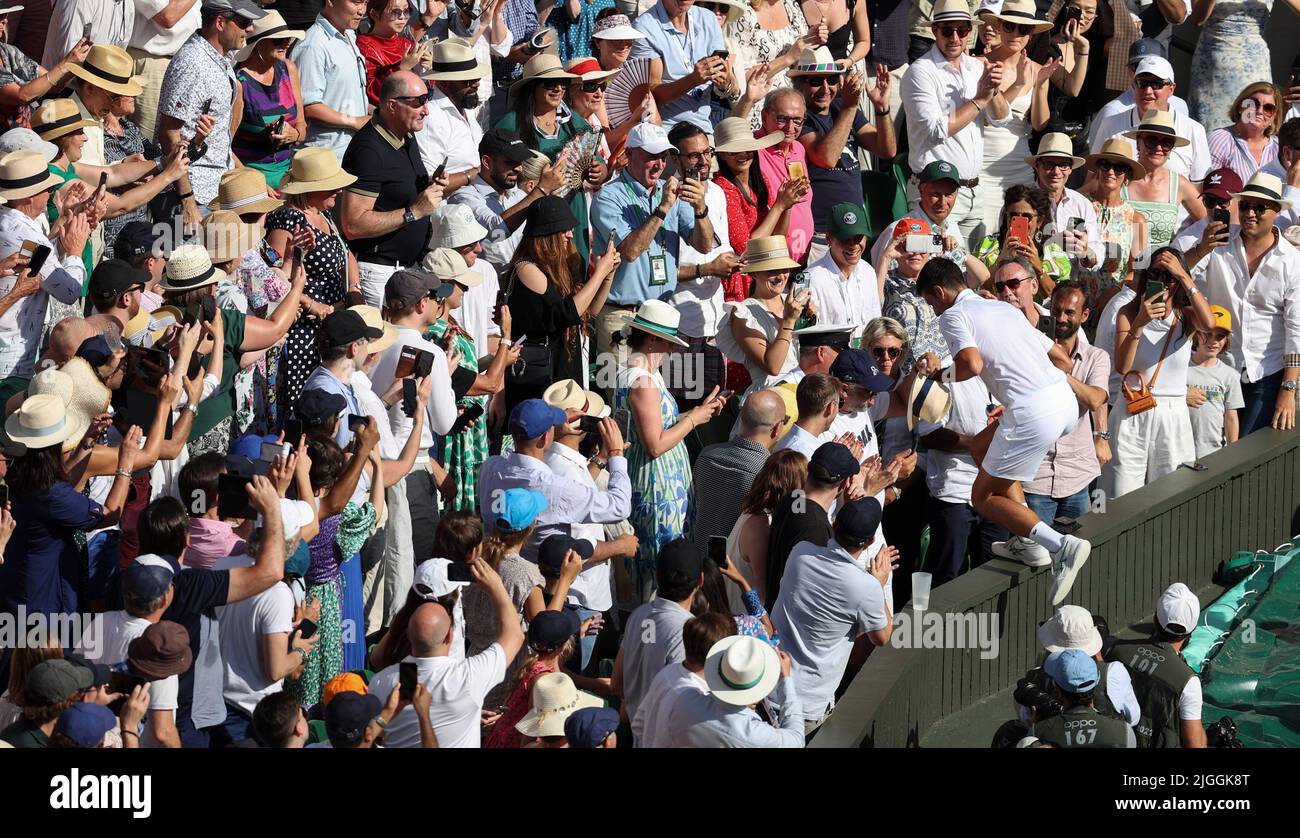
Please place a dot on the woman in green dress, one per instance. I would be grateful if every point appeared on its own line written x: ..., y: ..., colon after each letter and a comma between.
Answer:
x: 1033, y: 205
x: 545, y: 122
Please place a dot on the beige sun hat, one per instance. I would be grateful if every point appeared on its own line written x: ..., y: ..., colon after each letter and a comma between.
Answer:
x: 25, y: 173
x: 190, y: 267
x: 733, y: 134
x: 57, y: 118
x: 741, y: 670
x: 930, y: 401
x: 111, y: 68
x: 270, y: 25
x: 1264, y: 187
x: 51, y: 381
x: 817, y: 62
x: 375, y: 320
x: 555, y: 698
x: 454, y: 60
x: 569, y: 395
x: 90, y: 398
x: 1160, y: 123
x: 1119, y: 150
x: 226, y: 236
x: 41, y: 422
x: 1055, y: 144
x: 655, y: 317
x: 315, y: 169
x: 543, y: 66
x: 1018, y: 11
x: 449, y: 266
x: 767, y: 253
x: 243, y: 190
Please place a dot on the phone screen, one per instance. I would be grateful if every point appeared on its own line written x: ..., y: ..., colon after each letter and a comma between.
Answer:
x: 408, y: 675
x: 589, y: 424
x: 718, y: 550
x: 355, y: 423
x: 232, y: 497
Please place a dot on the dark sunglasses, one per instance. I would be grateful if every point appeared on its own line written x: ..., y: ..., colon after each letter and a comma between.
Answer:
x: 1157, y: 142
x: 1049, y: 165
x: 1029, y: 215
x: 1014, y: 28
x: 961, y: 30
x: 552, y: 84
x: 823, y: 81
x: 1153, y: 84
x: 1013, y: 284
x: 1267, y: 108
x: 239, y: 20
x: 1111, y: 166
x: 1212, y: 203
x: 414, y: 101
x: 886, y: 351
x: 279, y: 43
x: 593, y: 86
x: 1244, y: 207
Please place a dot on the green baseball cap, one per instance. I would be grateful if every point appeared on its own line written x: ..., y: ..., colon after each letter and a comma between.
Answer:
x: 848, y: 220
x: 57, y: 680
x: 939, y: 170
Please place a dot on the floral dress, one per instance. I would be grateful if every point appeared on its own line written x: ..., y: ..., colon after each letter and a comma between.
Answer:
x: 1230, y: 54
x: 661, y: 486
x: 327, y: 265
x: 756, y: 45
x: 261, y: 286
x: 1116, y: 226
x: 16, y: 68
x: 466, y: 451
x: 904, y: 304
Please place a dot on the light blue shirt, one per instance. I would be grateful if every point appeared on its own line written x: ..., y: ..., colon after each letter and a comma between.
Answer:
x: 623, y: 205
x: 333, y: 74
x: 702, y: 721
x: 567, y: 501
x: 679, y: 52
x: 652, y: 641
x: 323, y: 379
x: 488, y: 207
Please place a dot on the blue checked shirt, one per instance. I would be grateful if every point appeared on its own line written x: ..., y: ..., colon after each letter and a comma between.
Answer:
x: 521, y: 20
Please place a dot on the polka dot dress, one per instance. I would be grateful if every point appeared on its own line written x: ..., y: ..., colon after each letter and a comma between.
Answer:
x: 326, y: 283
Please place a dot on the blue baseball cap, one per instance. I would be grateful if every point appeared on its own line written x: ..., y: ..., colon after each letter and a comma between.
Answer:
x: 549, y: 630
x: 590, y: 727
x: 833, y: 462
x: 1144, y: 48
x: 146, y: 582
x: 518, y: 508
x: 85, y: 723
x: 534, y: 417
x: 250, y: 445
x: 1072, y: 670
x: 856, y: 366
x: 348, y: 715
x: 858, y: 520
x: 550, y: 556
x: 316, y: 407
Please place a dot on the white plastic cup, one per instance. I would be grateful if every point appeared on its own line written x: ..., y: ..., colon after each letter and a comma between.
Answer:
x: 921, y: 591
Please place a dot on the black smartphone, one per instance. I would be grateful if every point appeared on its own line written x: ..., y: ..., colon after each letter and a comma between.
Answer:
x: 410, y: 398
x: 623, y: 418
x: 1078, y: 225
x: 123, y: 682
x: 437, y: 173
x: 293, y: 430
x: 1221, y: 215
x: 726, y: 394
x: 297, y: 255
x: 355, y: 422
x: 277, y: 126
x: 721, y: 53
x: 207, y: 107
x: 4, y: 494
x: 232, y: 497
x: 589, y: 424
x: 103, y: 180
x: 85, y: 30
x: 463, y: 421
x: 460, y: 572
x: 39, y: 255
x: 718, y: 550
x: 413, y: 362
x: 1154, y: 288
x: 306, y: 629
x: 408, y: 675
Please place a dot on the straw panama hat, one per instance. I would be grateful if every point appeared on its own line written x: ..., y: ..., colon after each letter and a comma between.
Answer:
x: 375, y: 320
x: 244, y: 190
x: 817, y: 62
x: 929, y: 401
x: 1120, y: 150
x: 1264, y: 187
x: 24, y: 174
x: 1018, y: 11
x: 946, y: 10
x: 1055, y: 145
x: 454, y: 60
x: 767, y: 253
x: 111, y: 68
x: 555, y: 698
x: 315, y: 169
x: 569, y: 395
x: 1160, y: 123
x: 655, y: 317
x: 733, y: 134
x: 40, y: 422
x: 741, y: 670
x: 588, y: 69
x: 90, y: 398
x: 190, y: 267
x: 543, y: 66
x: 226, y: 236
x: 57, y: 118
x: 270, y: 25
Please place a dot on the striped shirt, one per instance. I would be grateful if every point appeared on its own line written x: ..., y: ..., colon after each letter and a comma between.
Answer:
x: 722, y: 476
x: 1227, y: 150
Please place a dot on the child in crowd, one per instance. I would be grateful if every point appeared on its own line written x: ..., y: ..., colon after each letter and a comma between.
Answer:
x: 1213, y: 387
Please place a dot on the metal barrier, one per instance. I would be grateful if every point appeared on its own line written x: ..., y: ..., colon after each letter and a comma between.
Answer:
x: 1175, y: 529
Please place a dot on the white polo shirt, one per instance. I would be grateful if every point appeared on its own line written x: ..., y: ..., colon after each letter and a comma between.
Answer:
x: 852, y: 301
x: 457, y: 689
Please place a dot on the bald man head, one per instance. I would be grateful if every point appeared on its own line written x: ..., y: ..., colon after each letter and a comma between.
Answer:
x: 762, y: 417
x: 430, y: 631
x: 67, y: 335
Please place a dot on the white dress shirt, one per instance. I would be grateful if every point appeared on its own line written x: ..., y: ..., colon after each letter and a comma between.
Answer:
x: 852, y: 301
x: 475, y: 312
x: 1265, y: 307
x: 448, y: 135
x: 481, y: 197
x: 62, y: 277
x: 699, y: 301
x: 653, y: 725
x: 591, y: 588
x: 932, y: 91
x: 110, y: 21
x: 442, y: 404
x: 1074, y: 205
x: 1190, y: 161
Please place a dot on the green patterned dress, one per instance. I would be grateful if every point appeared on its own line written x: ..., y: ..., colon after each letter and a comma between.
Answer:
x: 661, y: 486
x: 465, y: 452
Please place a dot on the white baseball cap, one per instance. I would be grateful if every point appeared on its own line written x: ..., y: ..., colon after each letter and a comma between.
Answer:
x: 1178, y: 609
x: 431, y: 580
x: 651, y: 138
x: 1154, y: 65
x: 25, y: 139
x: 457, y: 227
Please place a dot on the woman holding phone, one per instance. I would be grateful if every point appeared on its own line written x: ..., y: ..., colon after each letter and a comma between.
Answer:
x: 272, y: 119
x: 897, y: 272
x: 1026, y: 211
x: 657, y: 461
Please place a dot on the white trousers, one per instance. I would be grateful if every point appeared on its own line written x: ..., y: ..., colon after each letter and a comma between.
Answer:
x: 373, y: 279
x: 1149, y: 445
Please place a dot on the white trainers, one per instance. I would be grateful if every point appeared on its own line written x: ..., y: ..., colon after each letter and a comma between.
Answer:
x: 1023, y: 550
x: 1066, y: 563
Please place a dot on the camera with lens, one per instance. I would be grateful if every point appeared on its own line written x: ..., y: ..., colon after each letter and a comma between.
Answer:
x: 1034, y: 692
x: 1223, y: 734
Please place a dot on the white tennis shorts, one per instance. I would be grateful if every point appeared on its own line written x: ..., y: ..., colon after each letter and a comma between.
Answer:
x: 1027, y: 432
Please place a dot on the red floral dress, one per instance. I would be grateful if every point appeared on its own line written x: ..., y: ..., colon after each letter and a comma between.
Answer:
x: 503, y: 733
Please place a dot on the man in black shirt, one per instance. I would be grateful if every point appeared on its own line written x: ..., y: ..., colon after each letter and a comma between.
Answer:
x: 385, y: 214
x: 804, y: 514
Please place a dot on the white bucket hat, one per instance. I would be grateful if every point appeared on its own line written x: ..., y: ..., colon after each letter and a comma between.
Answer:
x: 555, y: 698
x: 1071, y: 627
x: 741, y: 670
x: 457, y: 226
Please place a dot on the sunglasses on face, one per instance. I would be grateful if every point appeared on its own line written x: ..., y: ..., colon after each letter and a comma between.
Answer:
x: 1111, y: 166
x: 1016, y: 28
x: 823, y: 81
x: 1213, y: 203
x: 1266, y: 108
x: 882, y: 352
x: 279, y: 43
x: 414, y: 101
x: 1152, y: 84
x: 1151, y: 142
x: 1252, y: 208
x: 1013, y: 284
x: 553, y: 84
x: 710, y: 7
x: 1050, y: 165
x: 593, y: 86
x: 788, y: 120
x: 961, y: 30
x: 1029, y: 215
x: 239, y: 20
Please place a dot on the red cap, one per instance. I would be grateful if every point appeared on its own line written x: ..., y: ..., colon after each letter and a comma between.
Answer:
x: 911, y: 227
x: 1221, y: 184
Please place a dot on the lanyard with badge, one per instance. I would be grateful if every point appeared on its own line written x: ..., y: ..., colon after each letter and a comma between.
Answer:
x: 658, y: 261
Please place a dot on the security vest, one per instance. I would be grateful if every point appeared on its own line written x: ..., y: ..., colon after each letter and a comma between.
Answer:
x: 1082, y: 727
x: 1159, y: 675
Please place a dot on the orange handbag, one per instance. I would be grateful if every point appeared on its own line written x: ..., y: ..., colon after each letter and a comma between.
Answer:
x: 1141, y: 400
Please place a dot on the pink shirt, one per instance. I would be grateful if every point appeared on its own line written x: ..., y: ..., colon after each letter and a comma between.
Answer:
x: 209, y: 541
x: 772, y: 163
x: 149, y: 301
x: 1072, y: 463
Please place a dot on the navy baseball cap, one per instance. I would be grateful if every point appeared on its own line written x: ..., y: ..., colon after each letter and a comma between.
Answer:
x: 504, y: 143
x: 85, y: 723
x: 146, y: 582
x: 95, y: 350
x: 348, y: 715
x: 833, y: 462
x: 678, y: 561
x: 858, y: 520
x: 1072, y: 670
x: 534, y: 417
x: 346, y: 326
x: 1143, y: 48
x: 113, y: 277
x: 549, y: 630
x: 856, y: 366
x: 316, y: 407
x: 550, y: 556
x: 136, y: 238
x: 590, y: 727
x: 517, y: 509
x: 100, y: 673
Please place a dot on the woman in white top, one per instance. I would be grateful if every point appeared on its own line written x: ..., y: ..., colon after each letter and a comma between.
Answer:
x: 1153, y: 338
x: 759, y: 331
x: 781, y: 474
x: 771, y: 33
